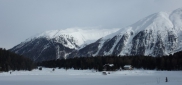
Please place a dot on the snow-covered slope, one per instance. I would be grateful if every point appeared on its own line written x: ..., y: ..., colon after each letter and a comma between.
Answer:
x: 57, y: 44
x: 80, y: 36
x: 156, y: 35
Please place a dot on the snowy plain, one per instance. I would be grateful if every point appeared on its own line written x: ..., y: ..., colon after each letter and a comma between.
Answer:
x: 90, y: 77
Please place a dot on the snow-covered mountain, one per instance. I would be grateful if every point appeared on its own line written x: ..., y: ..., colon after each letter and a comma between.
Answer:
x: 57, y: 44
x: 81, y: 36
x: 156, y: 35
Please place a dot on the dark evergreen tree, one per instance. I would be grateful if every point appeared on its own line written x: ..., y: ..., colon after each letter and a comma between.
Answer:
x: 12, y: 61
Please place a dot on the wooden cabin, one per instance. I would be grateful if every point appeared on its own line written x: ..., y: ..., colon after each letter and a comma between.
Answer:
x: 108, y: 67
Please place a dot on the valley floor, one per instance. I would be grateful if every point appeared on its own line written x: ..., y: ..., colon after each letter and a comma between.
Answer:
x: 89, y: 77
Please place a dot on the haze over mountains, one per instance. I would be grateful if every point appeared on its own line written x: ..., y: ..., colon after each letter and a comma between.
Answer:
x: 156, y: 35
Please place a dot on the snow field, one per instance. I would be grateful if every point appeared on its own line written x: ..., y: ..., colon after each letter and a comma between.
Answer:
x: 90, y: 77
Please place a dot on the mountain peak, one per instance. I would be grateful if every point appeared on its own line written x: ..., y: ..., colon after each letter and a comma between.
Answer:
x: 157, y: 21
x: 155, y: 35
x: 176, y: 19
x: 179, y: 10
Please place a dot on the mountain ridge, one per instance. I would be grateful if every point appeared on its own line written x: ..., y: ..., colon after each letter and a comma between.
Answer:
x: 144, y: 37
x: 57, y: 44
x: 158, y: 34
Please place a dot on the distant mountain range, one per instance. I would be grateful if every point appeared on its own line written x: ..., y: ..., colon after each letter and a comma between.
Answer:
x: 59, y: 44
x: 156, y: 35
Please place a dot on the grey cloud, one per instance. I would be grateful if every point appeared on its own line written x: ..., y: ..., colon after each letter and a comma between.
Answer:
x: 20, y: 19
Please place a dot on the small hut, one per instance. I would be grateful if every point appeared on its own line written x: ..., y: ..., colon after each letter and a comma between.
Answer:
x: 108, y: 67
x: 128, y: 67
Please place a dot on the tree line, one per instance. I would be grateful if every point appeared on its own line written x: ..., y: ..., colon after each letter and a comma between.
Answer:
x: 11, y: 61
x: 171, y: 62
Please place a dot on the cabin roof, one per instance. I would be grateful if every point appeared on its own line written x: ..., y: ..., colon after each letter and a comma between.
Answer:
x: 127, y: 66
x: 111, y: 65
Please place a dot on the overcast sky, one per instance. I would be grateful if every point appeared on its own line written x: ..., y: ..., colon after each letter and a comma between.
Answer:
x: 21, y: 19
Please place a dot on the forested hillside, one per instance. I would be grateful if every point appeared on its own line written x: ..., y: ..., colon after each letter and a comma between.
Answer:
x: 12, y: 61
x: 171, y: 62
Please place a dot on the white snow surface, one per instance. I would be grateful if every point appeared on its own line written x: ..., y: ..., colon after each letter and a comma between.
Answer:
x: 90, y: 77
x: 81, y: 35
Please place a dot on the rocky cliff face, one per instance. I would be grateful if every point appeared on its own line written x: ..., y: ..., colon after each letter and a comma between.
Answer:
x: 42, y: 49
